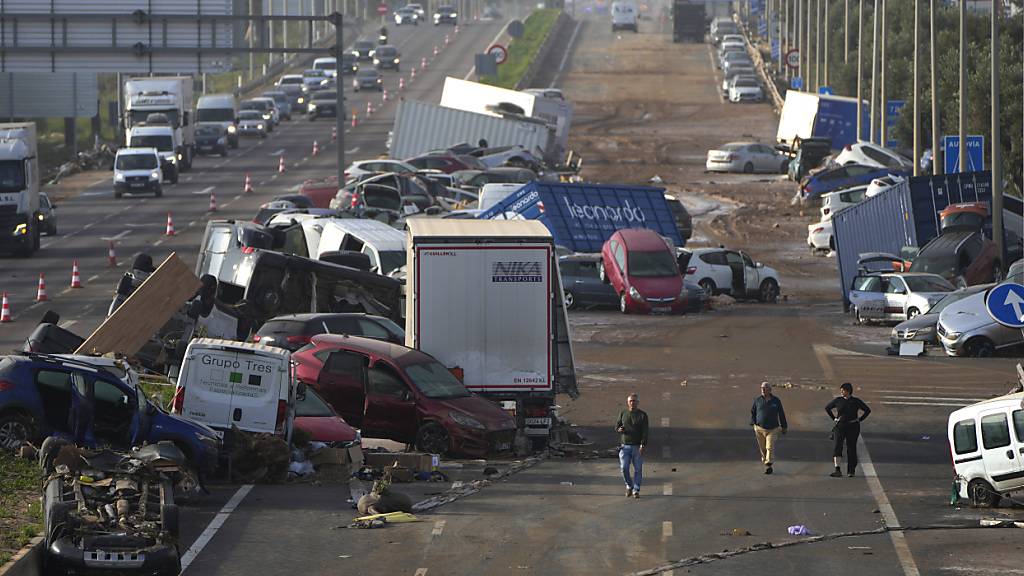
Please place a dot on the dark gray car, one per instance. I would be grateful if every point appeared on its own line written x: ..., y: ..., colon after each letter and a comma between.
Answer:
x: 581, y: 284
x: 922, y: 328
x: 368, y: 79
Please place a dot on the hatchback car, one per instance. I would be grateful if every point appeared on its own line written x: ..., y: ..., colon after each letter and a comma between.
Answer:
x: 323, y: 104
x: 363, y: 50
x: 282, y: 101
x: 965, y: 327
x: 349, y: 64
x: 838, y: 178
x: 747, y: 157
x: 446, y: 15
x: 390, y: 391
x: 724, y: 271
x: 294, y: 331
x: 869, y: 154
x: 641, y: 267
x: 581, y: 283
x: 92, y: 401
x: 265, y: 107
x: 211, y: 139
x: 387, y: 57
x: 745, y: 89
x: 896, y: 296
x: 406, y: 15
x: 47, y: 214
x: 368, y: 79
x: 251, y: 122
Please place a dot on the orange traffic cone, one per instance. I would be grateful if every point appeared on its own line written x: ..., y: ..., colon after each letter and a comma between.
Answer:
x: 412, y: 74
x: 5, y: 311
x: 213, y: 203
x: 384, y: 95
x: 76, y: 278
x: 111, y: 257
x: 369, y: 109
x: 401, y: 84
x: 280, y: 165
x: 248, y: 184
x: 354, y: 123
x: 41, y: 291
x: 423, y: 62
x: 316, y: 148
x: 334, y: 130
x: 170, y: 225
x: 446, y: 39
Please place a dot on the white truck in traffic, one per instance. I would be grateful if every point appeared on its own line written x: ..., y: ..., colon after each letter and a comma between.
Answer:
x: 485, y: 299
x: 19, y: 189
x: 170, y: 96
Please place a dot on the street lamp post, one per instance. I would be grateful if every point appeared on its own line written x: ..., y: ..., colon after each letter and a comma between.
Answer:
x: 962, y: 131
x: 937, y: 166
x: 917, y: 87
x: 874, y: 76
x: 997, y: 156
x: 860, y: 72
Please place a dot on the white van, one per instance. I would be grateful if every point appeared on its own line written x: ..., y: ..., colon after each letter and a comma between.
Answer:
x: 987, y: 445
x: 220, y: 109
x: 384, y: 245
x: 624, y: 16
x: 226, y: 384
x: 328, y: 65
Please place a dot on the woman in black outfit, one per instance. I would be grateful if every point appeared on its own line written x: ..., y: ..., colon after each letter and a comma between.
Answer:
x: 847, y: 427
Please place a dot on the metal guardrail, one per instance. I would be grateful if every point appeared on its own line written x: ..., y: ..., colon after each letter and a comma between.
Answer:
x: 762, y: 69
x: 545, y: 48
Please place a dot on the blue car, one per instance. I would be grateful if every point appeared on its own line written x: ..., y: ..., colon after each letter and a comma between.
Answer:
x: 842, y: 177
x: 93, y: 402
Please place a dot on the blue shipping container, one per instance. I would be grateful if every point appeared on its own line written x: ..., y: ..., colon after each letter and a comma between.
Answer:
x: 837, y: 119
x: 582, y: 217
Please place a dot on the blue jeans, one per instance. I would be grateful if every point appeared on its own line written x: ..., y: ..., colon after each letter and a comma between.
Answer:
x: 630, y: 454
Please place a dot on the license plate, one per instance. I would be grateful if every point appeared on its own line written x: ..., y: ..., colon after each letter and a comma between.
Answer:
x: 661, y: 309
x: 503, y: 446
x: 206, y: 147
x: 136, y: 184
x: 538, y: 421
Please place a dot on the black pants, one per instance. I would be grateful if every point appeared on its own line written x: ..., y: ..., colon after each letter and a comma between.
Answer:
x: 847, y: 433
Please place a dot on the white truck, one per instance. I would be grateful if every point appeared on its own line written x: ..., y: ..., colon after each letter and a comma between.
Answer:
x: 170, y: 96
x: 19, y: 189
x: 485, y: 299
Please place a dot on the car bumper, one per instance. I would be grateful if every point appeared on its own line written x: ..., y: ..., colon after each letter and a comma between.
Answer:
x: 480, y: 443
x: 211, y: 148
x: 953, y: 347
x: 132, y: 188
x: 674, y: 306
x: 446, y: 20
x: 253, y: 131
x: 723, y: 166
x: 63, y: 556
x: 819, y: 240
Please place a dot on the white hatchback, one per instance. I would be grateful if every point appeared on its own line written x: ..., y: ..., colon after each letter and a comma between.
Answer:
x: 868, y: 154
x: 723, y: 271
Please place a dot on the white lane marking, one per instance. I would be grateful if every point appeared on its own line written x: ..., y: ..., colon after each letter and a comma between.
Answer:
x: 666, y: 396
x: 565, y: 57
x: 666, y: 452
x: 93, y: 277
x: 191, y: 224
x: 68, y: 324
x: 666, y: 529
x: 117, y: 236
x: 420, y: 572
x: 239, y: 197
x: 276, y: 152
x: 665, y: 423
x: 438, y: 528
x: 158, y: 242
x: 204, y: 191
x: 102, y: 193
x: 965, y: 399
x: 213, y: 527
x: 352, y: 151
x: 667, y: 489
x: 188, y: 178
x: 89, y: 225
x: 65, y: 291
x: 35, y: 305
x: 493, y: 42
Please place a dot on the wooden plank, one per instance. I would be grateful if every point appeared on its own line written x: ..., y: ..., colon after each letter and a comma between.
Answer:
x: 145, y: 311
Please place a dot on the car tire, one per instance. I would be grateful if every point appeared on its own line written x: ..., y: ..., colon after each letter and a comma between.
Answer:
x: 602, y: 274
x: 980, y: 347
x: 769, y: 291
x: 224, y: 153
x: 708, y: 285
x: 570, y: 300
x: 982, y: 494
x: 432, y: 438
x: 748, y: 168
x: 913, y: 313
x: 15, y: 429
x: 858, y: 319
x: 623, y: 305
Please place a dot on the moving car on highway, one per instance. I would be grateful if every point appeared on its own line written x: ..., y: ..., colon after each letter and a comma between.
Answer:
x: 369, y: 79
x: 363, y: 50
x: 251, y: 122
x: 406, y: 15
x: 137, y: 170
x: 446, y: 15
x: 47, y: 215
x: 323, y: 104
x: 387, y: 57
x: 211, y: 139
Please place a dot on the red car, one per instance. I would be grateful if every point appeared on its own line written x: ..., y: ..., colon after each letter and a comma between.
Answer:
x: 446, y: 163
x: 322, y: 423
x: 641, y: 267
x: 390, y: 391
x: 320, y: 190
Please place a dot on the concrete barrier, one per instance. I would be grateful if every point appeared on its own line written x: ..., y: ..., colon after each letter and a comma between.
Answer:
x: 27, y: 562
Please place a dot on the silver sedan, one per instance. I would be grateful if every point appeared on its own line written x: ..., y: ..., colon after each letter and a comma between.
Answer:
x: 746, y: 157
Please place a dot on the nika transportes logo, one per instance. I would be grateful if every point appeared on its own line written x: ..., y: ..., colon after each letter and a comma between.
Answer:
x: 516, y: 272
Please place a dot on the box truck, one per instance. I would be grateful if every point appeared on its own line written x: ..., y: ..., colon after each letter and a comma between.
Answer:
x: 805, y: 115
x: 19, y: 189
x: 170, y: 96
x: 688, y: 21
x: 485, y: 299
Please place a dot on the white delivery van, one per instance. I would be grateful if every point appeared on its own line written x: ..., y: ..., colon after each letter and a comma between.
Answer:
x: 624, y: 16
x: 383, y: 244
x: 225, y: 384
x: 986, y: 442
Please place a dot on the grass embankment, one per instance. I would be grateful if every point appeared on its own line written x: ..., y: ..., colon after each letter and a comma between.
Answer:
x: 522, y: 51
x: 20, y: 516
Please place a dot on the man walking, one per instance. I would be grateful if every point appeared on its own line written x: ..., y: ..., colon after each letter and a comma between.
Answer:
x: 768, y: 418
x: 632, y: 429
x: 847, y: 418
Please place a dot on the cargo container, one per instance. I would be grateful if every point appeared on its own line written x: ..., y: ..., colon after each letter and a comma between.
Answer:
x: 807, y: 115
x: 485, y: 299
x: 582, y: 216
x: 421, y: 127
x: 908, y: 215
x: 689, y: 21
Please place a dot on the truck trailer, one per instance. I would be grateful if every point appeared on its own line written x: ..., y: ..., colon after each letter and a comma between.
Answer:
x: 19, y: 189
x: 688, y: 21
x: 806, y: 115
x: 170, y: 96
x: 485, y: 299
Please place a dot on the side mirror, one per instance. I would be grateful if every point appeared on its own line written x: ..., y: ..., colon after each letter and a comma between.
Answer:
x: 758, y: 265
x: 300, y: 391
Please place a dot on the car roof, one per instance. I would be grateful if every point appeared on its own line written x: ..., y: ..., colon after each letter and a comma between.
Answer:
x: 400, y: 354
x: 307, y: 316
x: 1013, y: 400
x: 947, y: 242
x: 136, y: 150
x: 642, y: 239
x: 580, y: 257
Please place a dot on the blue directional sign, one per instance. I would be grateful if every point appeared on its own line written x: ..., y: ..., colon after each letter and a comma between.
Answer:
x: 1005, y: 305
x: 975, y: 154
x: 776, y: 50
x: 826, y: 90
x: 893, y: 109
x: 796, y: 83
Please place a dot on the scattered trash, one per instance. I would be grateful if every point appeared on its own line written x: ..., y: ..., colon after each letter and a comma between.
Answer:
x: 344, y: 556
x: 301, y: 468
x: 926, y: 437
x: 566, y: 483
x: 457, y: 484
x: 799, y: 530
x: 655, y: 179
x: 858, y: 547
x: 737, y: 532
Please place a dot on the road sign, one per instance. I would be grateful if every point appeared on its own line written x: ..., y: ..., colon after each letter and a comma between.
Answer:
x: 1005, y: 304
x: 826, y: 90
x: 382, y: 9
x: 796, y: 83
x: 499, y: 53
x: 793, y: 59
x: 893, y: 109
x: 516, y: 28
x: 975, y: 154
x: 776, y: 49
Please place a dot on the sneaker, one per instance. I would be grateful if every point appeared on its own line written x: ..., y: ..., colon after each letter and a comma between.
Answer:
x: 849, y: 474
x: 836, y: 474
x: 636, y: 494
x: 628, y: 492
x: 768, y: 470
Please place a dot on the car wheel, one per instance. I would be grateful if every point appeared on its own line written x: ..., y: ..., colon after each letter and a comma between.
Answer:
x: 623, y: 307
x: 601, y: 273
x: 117, y: 194
x: 748, y: 168
x: 570, y: 300
x: 980, y: 347
x: 860, y: 319
x: 15, y: 430
x: 432, y: 438
x: 913, y: 312
x: 981, y: 494
x: 769, y: 291
x: 707, y: 285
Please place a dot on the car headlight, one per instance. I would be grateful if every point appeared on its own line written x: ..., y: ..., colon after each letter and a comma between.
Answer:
x: 312, y: 106
x: 454, y: 14
x: 118, y: 177
x: 437, y: 16
x: 954, y: 335
x: 397, y: 60
x: 371, y: 53
x: 376, y: 60
x: 301, y: 100
x: 380, y: 80
x: 154, y: 175
x: 267, y: 116
x: 355, y: 53
x: 635, y: 295
x: 41, y: 217
x: 171, y: 158
x: 179, y: 157
x: 232, y: 129
x: 259, y: 126
x: 21, y: 229
x: 466, y: 421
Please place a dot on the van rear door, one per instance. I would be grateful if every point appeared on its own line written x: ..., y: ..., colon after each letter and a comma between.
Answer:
x: 207, y: 388
x: 260, y: 383
x: 1000, y: 452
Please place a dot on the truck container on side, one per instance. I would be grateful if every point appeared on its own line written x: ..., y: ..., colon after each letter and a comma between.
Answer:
x: 167, y: 95
x: 421, y: 127
x: 688, y: 21
x: 807, y: 115
x: 491, y: 100
x: 582, y: 217
x: 19, y: 189
x: 908, y: 215
x: 485, y: 299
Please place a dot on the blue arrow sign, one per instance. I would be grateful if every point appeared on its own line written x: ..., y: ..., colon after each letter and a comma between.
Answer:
x: 825, y: 90
x: 796, y: 83
x: 1005, y: 304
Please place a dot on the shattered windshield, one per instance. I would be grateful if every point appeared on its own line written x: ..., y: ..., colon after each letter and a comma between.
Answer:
x: 435, y: 381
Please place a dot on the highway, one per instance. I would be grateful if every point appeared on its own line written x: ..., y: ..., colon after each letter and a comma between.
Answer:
x: 94, y: 218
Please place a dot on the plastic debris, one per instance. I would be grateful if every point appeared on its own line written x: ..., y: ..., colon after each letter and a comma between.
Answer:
x: 301, y: 468
x: 799, y: 530
x: 566, y: 483
x: 738, y: 532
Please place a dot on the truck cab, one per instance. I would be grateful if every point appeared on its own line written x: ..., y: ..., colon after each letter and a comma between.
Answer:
x: 161, y: 137
x: 19, y: 189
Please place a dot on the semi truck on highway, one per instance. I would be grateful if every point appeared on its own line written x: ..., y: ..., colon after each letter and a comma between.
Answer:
x: 484, y: 298
x: 170, y: 96
x: 19, y: 189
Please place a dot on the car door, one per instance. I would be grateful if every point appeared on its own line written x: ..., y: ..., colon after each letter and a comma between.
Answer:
x: 596, y: 291
x: 114, y: 413
x: 621, y: 272
x: 342, y: 383
x: 765, y: 159
x: 868, y: 297
x: 390, y: 410
x: 999, y: 452
x: 896, y: 295
x: 737, y: 279
x: 751, y: 274
x: 54, y: 389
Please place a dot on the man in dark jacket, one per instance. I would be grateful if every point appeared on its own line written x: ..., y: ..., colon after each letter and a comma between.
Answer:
x: 768, y: 418
x: 632, y: 429
x: 847, y: 411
